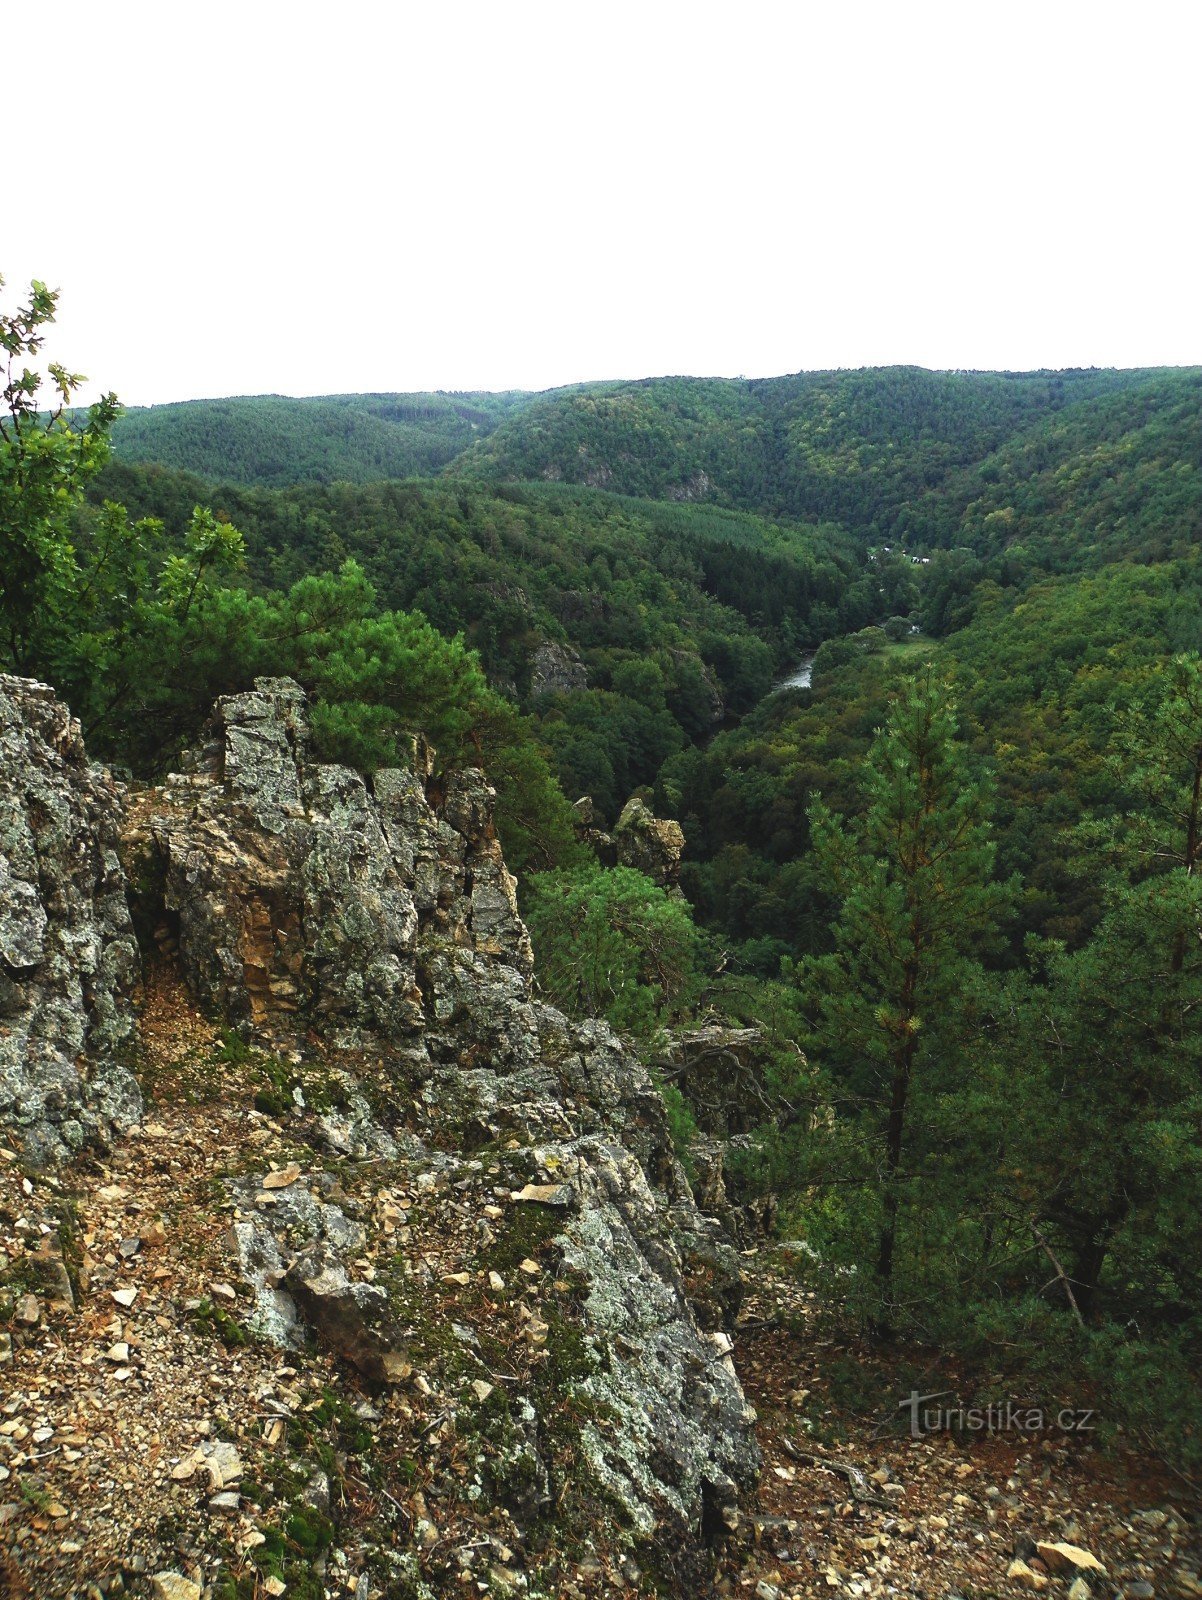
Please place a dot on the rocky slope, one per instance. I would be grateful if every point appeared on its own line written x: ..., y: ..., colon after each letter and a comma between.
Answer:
x: 395, y: 1184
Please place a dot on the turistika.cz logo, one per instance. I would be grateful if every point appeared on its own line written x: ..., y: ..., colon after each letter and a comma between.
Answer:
x: 928, y: 1415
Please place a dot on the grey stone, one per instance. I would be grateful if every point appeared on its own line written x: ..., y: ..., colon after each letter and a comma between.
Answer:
x: 68, y: 957
x: 382, y: 916
x: 649, y: 844
x: 353, y: 1318
x: 556, y: 669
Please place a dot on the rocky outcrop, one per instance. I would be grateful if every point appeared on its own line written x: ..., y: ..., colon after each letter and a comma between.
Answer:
x: 367, y: 931
x: 556, y: 669
x: 691, y: 666
x: 649, y: 843
x: 381, y: 915
x: 68, y: 957
x: 695, y: 488
x: 299, y: 892
x: 721, y: 1071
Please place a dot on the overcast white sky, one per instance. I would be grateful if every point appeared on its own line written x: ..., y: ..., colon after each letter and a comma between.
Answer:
x: 315, y: 198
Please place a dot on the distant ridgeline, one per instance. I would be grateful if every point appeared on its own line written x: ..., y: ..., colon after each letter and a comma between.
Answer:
x: 269, y: 439
x: 895, y: 451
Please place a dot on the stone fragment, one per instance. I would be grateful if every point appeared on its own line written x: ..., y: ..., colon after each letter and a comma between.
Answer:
x: 173, y: 1586
x: 1061, y: 1557
x: 545, y: 1194
x: 354, y: 1318
x: 284, y: 1178
x: 1019, y: 1572
x: 223, y: 1463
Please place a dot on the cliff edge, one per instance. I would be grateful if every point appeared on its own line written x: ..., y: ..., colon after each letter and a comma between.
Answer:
x: 354, y: 1171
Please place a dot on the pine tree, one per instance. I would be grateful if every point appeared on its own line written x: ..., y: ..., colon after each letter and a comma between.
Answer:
x: 1114, y: 1028
x: 912, y: 877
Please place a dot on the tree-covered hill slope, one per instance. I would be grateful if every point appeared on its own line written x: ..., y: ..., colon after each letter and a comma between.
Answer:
x: 628, y: 628
x: 272, y: 439
x: 889, y: 452
x: 1119, y: 478
x: 855, y: 447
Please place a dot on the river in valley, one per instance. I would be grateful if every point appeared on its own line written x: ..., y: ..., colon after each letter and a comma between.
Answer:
x: 800, y: 676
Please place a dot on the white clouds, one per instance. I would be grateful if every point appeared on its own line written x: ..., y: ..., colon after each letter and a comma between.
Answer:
x: 308, y: 198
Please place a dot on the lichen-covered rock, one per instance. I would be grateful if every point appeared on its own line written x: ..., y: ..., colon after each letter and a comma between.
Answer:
x: 302, y: 888
x: 68, y: 957
x: 382, y: 915
x: 649, y: 843
x: 556, y: 669
x: 684, y: 1441
x: 267, y: 1249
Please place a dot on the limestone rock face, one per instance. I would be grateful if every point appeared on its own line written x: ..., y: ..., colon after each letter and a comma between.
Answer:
x: 649, y: 844
x: 382, y: 915
x: 299, y: 888
x: 68, y: 957
x: 372, y: 925
x: 555, y: 669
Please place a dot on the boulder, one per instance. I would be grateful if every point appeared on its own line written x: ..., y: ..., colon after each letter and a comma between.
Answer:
x: 1068, y: 1558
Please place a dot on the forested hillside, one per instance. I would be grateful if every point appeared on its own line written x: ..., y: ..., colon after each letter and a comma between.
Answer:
x: 271, y: 439
x: 953, y: 885
x: 893, y: 452
x: 628, y: 629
